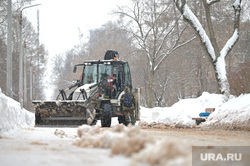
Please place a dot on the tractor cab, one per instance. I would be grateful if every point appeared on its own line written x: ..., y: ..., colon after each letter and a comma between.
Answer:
x: 113, y: 73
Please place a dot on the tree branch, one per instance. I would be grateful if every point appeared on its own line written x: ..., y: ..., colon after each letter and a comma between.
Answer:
x: 210, y: 2
x: 231, y: 42
x: 195, y: 23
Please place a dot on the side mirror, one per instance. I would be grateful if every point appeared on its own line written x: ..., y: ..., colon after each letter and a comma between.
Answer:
x: 75, y: 68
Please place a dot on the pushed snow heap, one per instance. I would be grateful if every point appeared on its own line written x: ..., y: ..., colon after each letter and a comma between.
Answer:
x: 120, y: 139
x: 233, y: 114
x: 181, y: 113
x: 132, y: 141
x: 12, y: 115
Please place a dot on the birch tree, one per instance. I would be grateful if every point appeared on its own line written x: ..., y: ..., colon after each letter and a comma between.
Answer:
x: 209, y: 42
x: 154, y: 25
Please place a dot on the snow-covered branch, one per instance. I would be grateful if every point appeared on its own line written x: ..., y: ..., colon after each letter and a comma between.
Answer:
x: 211, y: 44
x: 210, y: 2
x: 193, y: 20
x: 228, y: 46
x: 184, y: 43
x: 231, y: 42
x: 189, y: 16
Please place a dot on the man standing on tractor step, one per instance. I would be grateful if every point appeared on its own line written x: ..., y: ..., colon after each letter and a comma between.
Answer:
x: 128, y: 106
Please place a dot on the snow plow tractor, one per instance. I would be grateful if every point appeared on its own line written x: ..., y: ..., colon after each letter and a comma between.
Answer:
x: 95, y: 96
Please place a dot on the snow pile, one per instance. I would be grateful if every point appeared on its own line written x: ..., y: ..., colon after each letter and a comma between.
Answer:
x: 121, y: 139
x: 234, y: 114
x: 181, y: 113
x: 12, y: 115
x: 131, y: 141
x: 166, y: 152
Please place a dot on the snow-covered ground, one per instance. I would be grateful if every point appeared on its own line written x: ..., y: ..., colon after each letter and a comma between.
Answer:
x: 63, y: 146
x: 233, y: 114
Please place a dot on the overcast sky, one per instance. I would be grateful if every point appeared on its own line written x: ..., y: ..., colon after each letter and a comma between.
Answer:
x: 61, y: 19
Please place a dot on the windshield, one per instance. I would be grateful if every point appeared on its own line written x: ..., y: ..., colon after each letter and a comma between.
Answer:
x: 90, y: 74
x: 104, y: 71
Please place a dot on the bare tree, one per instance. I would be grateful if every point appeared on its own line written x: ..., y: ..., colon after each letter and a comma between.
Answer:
x: 109, y: 37
x: 210, y: 44
x: 155, y: 27
x: 30, y: 44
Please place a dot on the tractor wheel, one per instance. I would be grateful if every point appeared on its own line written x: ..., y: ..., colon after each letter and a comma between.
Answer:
x: 90, y: 114
x: 106, y: 115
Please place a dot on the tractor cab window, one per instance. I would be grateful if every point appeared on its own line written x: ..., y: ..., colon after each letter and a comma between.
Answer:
x: 90, y: 74
x: 117, y: 71
x: 104, y: 72
x: 127, y: 81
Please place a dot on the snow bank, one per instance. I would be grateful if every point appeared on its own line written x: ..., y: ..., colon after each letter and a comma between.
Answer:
x: 12, y: 116
x: 234, y: 114
x: 182, y: 112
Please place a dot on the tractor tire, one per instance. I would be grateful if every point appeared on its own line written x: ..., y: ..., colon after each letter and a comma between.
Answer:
x: 106, y: 115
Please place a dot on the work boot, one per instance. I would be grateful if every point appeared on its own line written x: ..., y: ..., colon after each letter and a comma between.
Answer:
x: 127, y: 123
x: 133, y: 123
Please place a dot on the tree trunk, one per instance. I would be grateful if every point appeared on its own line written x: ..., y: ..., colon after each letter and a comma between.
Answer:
x: 150, y: 90
x: 217, y: 57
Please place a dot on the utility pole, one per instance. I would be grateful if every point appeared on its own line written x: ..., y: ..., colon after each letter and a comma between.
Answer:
x: 25, y: 76
x: 21, y: 55
x: 9, y: 51
x: 38, y: 53
x: 31, y: 80
x: 21, y: 60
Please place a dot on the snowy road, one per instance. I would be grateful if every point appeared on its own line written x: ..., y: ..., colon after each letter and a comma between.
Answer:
x: 54, y: 146
x: 40, y: 146
x: 204, y: 137
x: 23, y: 145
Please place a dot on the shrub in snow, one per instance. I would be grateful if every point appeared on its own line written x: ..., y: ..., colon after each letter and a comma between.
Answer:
x: 12, y: 115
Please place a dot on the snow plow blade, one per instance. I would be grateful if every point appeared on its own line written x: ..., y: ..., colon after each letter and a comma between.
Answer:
x: 62, y: 113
